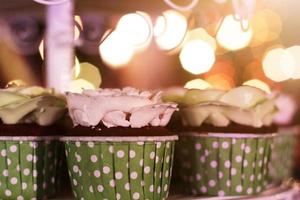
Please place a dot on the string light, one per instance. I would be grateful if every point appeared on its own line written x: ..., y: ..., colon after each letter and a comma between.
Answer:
x: 170, y: 30
x: 136, y: 28
x: 278, y: 65
x: 201, y: 34
x: 294, y: 51
x: 41, y: 49
x: 231, y: 36
x: 78, y: 85
x: 182, y: 8
x: 115, y: 50
x: 197, y: 84
x: 50, y: 2
x: 258, y: 84
x: 197, y: 57
x: 77, y: 27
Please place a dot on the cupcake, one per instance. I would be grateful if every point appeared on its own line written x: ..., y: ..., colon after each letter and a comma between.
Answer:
x: 281, y: 165
x: 225, y: 141
x: 29, y: 148
x: 119, y: 147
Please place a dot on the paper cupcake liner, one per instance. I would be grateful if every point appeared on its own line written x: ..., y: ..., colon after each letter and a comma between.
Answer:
x: 114, y: 169
x: 223, y: 164
x: 282, y: 163
x: 28, y: 167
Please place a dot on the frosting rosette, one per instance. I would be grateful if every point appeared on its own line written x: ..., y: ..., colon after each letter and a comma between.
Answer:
x: 127, y: 107
x: 30, y: 105
x: 244, y: 105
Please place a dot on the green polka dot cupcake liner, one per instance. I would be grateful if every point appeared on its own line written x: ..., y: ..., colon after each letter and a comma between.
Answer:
x: 28, y: 167
x: 120, y: 167
x: 281, y: 164
x: 222, y: 164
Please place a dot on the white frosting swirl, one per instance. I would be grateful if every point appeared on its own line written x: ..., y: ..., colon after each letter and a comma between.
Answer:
x: 243, y: 105
x: 128, y: 107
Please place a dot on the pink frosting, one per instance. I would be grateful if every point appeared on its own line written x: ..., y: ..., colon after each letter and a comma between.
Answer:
x: 128, y: 107
x: 286, y: 109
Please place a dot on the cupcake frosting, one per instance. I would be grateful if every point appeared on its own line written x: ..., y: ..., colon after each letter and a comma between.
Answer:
x: 127, y: 107
x: 243, y: 105
x: 30, y: 105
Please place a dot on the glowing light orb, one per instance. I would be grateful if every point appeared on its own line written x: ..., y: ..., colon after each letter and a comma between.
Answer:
x: 89, y: 73
x: 115, y: 50
x: 294, y: 51
x: 197, y: 57
x: 78, y: 85
x: 197, y: 84
x: 258, y: 84
x: 278, y: 65
x: 41, y: 49
x: 231, y: 36
x: 77, y: 27
x: 136, y: 28
x: 201, y: 34
x: 170, y: 30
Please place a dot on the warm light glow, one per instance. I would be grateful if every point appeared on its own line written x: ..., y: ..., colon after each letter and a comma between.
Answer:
x: 41, y: 49
x: 77, y: 27
x: 136, y: 28
x: 76, y: 68
x: 220, y: 81
x: 115, y: 50
x: 266, y: 26
x: 89, y: 73
x: 278, y: 65
x: 78, y: 85
x: 231, y: 36
x: 197, y: 84
x: 197, y: 57
x: 220, y: 1
x: 170, y: 29
x: 201, y: 34
x: 258, y: 84
x: 16, y: 83
x: 294, y: 51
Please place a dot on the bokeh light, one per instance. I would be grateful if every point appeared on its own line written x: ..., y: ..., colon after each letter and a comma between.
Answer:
x: 294, y: 51
x: 197, y: 84
x: 136, y: 28
x: 76, y: 70
x: 89, y: 73
x: 258, y: 84
x: 170, y: 30
x: 278, y: 65
x: 201, y: 34
x: 41, y: 49
x: 77, y: 27
x: 16, y: 83
x: 266, y: 26
x: 78, y: 85
x: 197, y: 57
x: 220, y: 81
x: 231, y: 36
x: 116, y: 51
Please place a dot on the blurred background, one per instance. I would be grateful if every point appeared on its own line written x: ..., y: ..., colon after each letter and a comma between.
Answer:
x: 158, y: 45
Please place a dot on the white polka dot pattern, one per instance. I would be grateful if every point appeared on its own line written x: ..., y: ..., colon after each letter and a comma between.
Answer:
x: 117, y: 170
x: 217, y: 166
x: 22, y: 163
